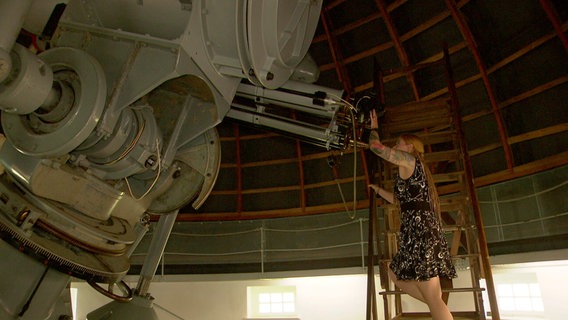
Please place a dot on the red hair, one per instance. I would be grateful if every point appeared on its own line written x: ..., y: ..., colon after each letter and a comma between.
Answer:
x: 418, y: 152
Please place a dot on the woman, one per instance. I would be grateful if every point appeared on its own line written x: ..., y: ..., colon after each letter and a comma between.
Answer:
x: 423, y: 255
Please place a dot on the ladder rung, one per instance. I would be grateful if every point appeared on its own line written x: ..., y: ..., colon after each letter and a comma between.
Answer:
x: 454, y: 257
x: 422, y: 315
x: 450, y: 290
x: 448, y: 177
x: 416, y: 125
x: 446, y: 228
x: 416, y: 106
x: 437, y: 137
x: 454, y: 227
x: 438, y: 156
x: 454, y: 198
x: 471, y: 255
x: 413, y: 116
x: 438, y: 178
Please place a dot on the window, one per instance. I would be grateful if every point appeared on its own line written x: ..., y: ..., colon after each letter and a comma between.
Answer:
x: 271, y: 301
x: 519, y: 294
x: 520, y: 297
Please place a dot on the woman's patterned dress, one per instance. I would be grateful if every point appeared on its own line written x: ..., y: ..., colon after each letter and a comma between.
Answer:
x: 423, y: 250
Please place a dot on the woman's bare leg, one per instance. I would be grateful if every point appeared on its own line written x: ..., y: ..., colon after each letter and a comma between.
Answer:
x: 432, y: 293
x: 429, y: 292
x: 410, y: 287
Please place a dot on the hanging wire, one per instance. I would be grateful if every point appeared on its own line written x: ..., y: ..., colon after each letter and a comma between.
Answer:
x: 350, y: 108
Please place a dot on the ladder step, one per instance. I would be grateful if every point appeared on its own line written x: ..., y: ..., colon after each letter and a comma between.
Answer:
x: 458, y: 315
x: 452, y: 206
x: 463, y: 256
x: 450, y: 290
x: 448, y: 177
x: 418, y: 106
x: 449, y: 155
x: 437, y: 137
x: 448, y: 227
x: 454, y: 257
x: 418, y: 125
x: 454, y: 198
x: 429, y: 138
x: 445, y: 228
x: 413, y: 116
x: 456, y: 176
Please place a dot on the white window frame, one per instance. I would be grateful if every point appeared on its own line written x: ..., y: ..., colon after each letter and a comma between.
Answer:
x: 271, y: 302
x: 519, y: 295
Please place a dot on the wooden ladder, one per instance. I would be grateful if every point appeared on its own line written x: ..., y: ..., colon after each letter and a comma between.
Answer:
x: 435, y: 122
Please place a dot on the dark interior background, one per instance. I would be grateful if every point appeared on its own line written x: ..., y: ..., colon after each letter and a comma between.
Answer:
x: 276, y: 198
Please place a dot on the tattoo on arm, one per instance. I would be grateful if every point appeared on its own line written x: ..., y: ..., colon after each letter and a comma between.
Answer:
x: 394, y: 156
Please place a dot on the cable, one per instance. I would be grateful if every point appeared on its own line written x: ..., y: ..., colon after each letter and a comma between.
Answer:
x: 350, y: 107
x: 352, y: 216
x: 347, y: 103
x: 359, y: 101
x: 342, y: 197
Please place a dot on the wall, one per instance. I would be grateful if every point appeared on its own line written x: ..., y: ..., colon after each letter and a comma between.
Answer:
x: 337, y: 294
x: 522, y: 215
x: 551, y: 271
x: 334, y: 297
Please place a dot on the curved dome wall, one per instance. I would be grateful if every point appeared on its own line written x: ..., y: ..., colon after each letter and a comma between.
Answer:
x: 266, y: 175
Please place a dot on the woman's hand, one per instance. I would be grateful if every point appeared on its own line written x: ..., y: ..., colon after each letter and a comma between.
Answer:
x: 388, y: 196
x: 375, y: 188
x: 374, y: 120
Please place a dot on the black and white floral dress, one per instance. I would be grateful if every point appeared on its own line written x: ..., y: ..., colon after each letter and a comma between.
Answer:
x: 423, y: 249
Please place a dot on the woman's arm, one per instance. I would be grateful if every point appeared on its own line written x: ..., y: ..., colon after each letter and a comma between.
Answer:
x: 400, y: 158
x: 404, y: 160
x: 388, y: 196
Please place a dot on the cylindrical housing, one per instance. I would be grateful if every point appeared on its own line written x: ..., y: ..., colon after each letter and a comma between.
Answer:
x: 30, y: 85
x: 12, y: 15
